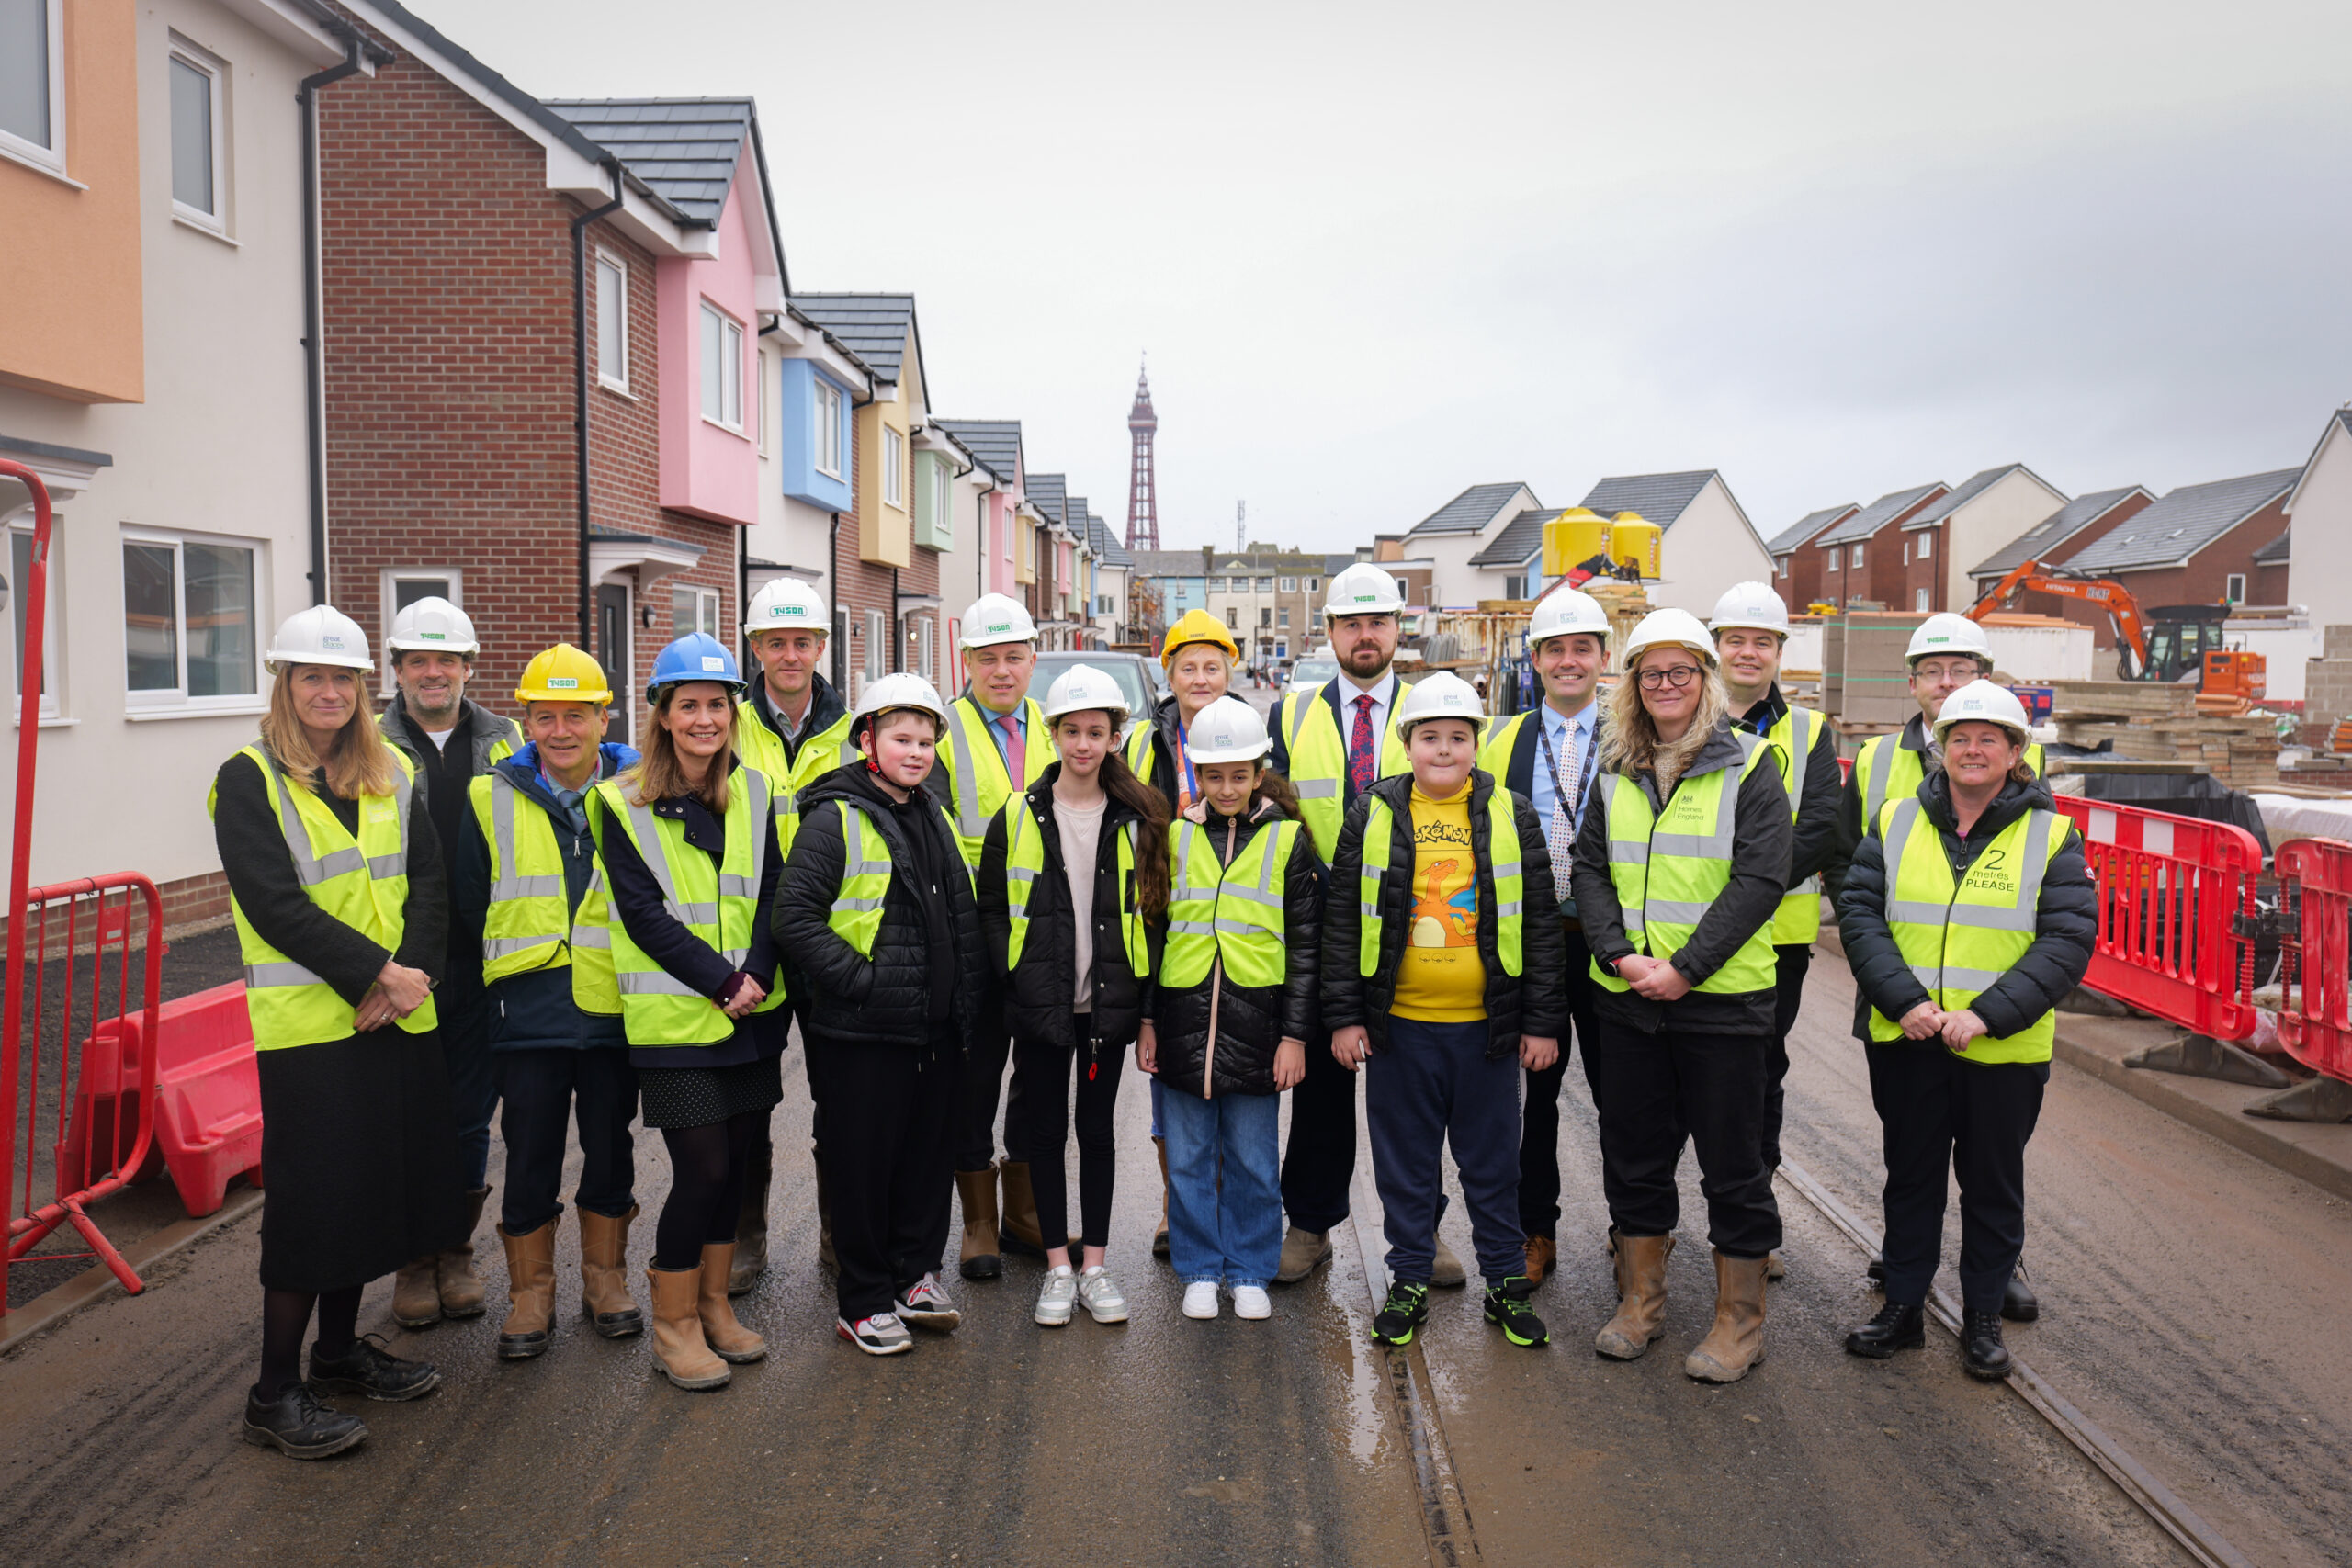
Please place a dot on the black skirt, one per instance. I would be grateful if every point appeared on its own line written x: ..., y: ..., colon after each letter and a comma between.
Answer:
x: 695, y: 1097
x: 360, y: 1159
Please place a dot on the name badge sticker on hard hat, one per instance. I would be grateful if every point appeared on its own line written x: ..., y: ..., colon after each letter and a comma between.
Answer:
x: 564, y: 683
x: 716, y: 666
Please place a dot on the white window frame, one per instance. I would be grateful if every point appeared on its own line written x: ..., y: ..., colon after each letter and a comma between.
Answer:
x: 825, y: 416
x: 926, y: 648
x: 52, y: 673
x: 1217, y: 585
x: 2234, y: 588
x: 1854, y: 557
x: 216, y: 72
x: 730, y: 370
x: 893, y: 465
x: 706, y: 610
x: 176, y: 703
x: 1919, y: 600
x: 1906, y: 551
x: 388, y: 600
x: 1315, y: 585
x: 51, y: 158
x: 619, y: 267
x: 1265, y: 585
x: 1837, y: 556
x: 759, y: 389
x: 1290, y: 585
x: 1928, y: 544
x: 877, y: 633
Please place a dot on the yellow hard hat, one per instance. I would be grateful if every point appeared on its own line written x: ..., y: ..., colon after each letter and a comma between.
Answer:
x: 1196, y: 625
x: 563, y: 674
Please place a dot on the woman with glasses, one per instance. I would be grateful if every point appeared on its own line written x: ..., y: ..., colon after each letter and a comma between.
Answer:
x: 1676, y: 881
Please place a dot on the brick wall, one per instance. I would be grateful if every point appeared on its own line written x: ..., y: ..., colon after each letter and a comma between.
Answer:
x: 2102, y: 624
x: 2205, y: 579
x: 1921, y: 571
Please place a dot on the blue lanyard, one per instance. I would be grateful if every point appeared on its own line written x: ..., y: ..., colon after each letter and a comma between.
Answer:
x: 1584, y: 770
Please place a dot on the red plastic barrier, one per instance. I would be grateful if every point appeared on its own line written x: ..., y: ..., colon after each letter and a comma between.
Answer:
x: 2315, y: 953
x: 2176, y: 913
x: 207, y: 1092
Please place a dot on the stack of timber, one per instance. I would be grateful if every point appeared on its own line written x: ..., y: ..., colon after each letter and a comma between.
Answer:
x: 2159, y: 723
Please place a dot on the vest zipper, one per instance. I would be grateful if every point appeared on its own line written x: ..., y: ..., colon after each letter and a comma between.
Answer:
x: 1216, y: 966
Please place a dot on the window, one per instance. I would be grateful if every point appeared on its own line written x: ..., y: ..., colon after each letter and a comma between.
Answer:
x: 1265, y: 585
x: 1290, y: 585
x: 2234, y: 588
x: 32, y: 82
x: 1315, y: 585
x: 1217, y: 585
x: 1781, y: 566
x: 926, y: 647
x: 759, y: 371
x: 722, y: 368
x: 694, y: 610
x: 1833, y: 557
x: 1233, y: 614
x: 1906, y: 552
x: 1265, y: 618
x: 189, y: 623
x: 1282, y: 650
x: 403, y: 586
x: 827, y: 437
x: 1926, y: 543
x: 612, y: 320
x: 1513, y: 588
x: 1919, y: 599
x: 20, y: 575
x: 1282, y: 617
x: 197, y: 143
x: 874, y: 637
x: 1856, y: 563
x: 894, y: 467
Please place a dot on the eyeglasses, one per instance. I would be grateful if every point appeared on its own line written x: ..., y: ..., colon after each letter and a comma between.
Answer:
x: 1955, y: 670
x: 1679, y: 677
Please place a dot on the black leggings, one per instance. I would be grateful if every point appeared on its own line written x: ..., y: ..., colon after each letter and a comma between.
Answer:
x: 706, y: 1165
x: 1042, y: 1073
x: 285, y: 1314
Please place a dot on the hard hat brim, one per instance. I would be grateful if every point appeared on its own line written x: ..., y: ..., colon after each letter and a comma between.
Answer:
x: 276, y: 660
x: 1943, y: 727
x: 1241, y: 754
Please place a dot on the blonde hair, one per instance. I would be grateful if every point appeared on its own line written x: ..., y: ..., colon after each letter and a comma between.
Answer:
x: 658, y: 775
x: 1631, y: 745
x: 361, y: 761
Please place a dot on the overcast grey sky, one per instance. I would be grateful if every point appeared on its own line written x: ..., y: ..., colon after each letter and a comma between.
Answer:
x: 1382, y: 252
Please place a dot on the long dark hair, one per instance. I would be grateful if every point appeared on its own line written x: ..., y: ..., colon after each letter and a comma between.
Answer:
x: 1272, y: 786
x: 1151, y: 841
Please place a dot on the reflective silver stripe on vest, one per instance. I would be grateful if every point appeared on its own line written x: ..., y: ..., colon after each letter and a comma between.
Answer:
x: 1630, y: 852
x: 969, y: 822
x: 1898, y: 840
x: 648, y: 833
x: 508, y: 946
x: 2023, y: 916
x: 1952, y: 979
x: 1019, y: 874
x: 1502, y: 867
x: 501, y: 826
x: 262, y: 976
x: 1675, y: 913
x: 311, y: 870
x: 1191, y: 928
x: 1797, y: 756
x: 590, y: 936
x: 655, y: 983
x: 1879, y: 777
x: 738, y: 887
x: 1308, y: 789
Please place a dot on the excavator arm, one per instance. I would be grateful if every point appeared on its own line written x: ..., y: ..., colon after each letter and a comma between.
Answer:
x: 2130, y: 626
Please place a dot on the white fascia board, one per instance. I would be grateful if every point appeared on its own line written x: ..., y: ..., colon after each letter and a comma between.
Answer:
x: 296, y: 29
x: 2335, y: 431
x: 590, y: 184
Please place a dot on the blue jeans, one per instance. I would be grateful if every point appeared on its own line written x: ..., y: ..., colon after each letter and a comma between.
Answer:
x: 1155, y: 1092
x: 1230, y: 1229
x: 1431, y: 1086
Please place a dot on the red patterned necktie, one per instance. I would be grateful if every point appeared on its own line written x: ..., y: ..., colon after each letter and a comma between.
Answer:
x: 1360, y: 747
x: 1016, y: 749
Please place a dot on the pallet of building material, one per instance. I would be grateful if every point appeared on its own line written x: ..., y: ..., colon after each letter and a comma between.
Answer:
x: 2121, y: 699
x: 2240, y: 752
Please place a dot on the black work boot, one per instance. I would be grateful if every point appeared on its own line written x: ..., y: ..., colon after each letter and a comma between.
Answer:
x: 1876, y: 1269
x: 368, y: 1368
x: 1982, y: 1352
x: 1894, y: 1328
x: 2018, y: 1303
x: 299, y: 1423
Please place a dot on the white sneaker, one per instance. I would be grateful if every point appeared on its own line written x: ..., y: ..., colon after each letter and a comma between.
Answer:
x: 1200, y: 1299
x: 1100, y: 1295
x: 1056, y: 1296
x: 1251, y: 1302
x: 924, y: 1305
x: 881, y: 1334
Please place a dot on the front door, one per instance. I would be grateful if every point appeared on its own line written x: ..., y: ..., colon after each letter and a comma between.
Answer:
x: 613, y: 653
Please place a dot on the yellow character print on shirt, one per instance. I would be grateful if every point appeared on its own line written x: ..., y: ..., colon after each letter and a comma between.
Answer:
x: 1445, y: 906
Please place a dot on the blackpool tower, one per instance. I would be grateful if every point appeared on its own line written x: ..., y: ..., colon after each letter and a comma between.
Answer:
x: 1143, y: 506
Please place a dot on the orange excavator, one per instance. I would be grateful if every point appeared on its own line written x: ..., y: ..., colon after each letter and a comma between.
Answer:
x: 2172, y: 642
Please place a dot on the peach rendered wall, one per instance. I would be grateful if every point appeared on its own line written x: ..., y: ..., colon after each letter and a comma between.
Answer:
x: 709, y: 470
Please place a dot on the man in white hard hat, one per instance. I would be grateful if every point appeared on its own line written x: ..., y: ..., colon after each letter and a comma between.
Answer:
x: 1333, y: 743
x: 997, y: 740
x: 1751, y: 627
x: 1549, y: 756
x: 452, y: 740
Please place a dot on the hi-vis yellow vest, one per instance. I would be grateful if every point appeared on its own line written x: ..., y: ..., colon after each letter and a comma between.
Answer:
x: 362, y: 881
x: 1797, y: 921
x: 856, y: 914
x: 1959, y: 937
x: 1668, y: 867
x: 1318, y: 757
x: 719, y: 904
x: 1887, y: 770
x: 1024, y: 858
x: 1502, y: 863
x: 1231, y: 914
x: 976, y: 772
x: 820, y: 754
x: 530, y: 924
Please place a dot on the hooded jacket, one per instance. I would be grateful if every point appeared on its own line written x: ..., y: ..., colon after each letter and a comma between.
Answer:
x: 1535, y: 1002
x: 1759, y: 876
x: 1252, y: 1021
x: 2066, y: 921
x: 885, y: 1000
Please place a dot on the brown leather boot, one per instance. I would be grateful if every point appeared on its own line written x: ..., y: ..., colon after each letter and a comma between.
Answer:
x: 679, y: 1348
x: 459, y: 1287
x: 752, y: 1221
x: 728, y: 1338
x: 605, y: 1300
x: 824, y: 1214
x: 1543, y: 1254
x: 1641, y: 1290
x: 1737, y: 1341
x: 1017, y: 1230
x: 1159, y: 1236
x: 530, y: 1290
x: 977, y: 1190
x: 416, y: 1292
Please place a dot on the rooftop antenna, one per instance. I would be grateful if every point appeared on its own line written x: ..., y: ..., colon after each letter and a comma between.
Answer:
x: 1241, y: 525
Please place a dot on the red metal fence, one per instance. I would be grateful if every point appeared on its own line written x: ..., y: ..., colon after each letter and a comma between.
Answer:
x: 2315, y: 952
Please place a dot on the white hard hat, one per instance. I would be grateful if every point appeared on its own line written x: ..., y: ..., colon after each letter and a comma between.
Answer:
x: 1082, y: 688
x: 1227, y: 730
x: 894, y: 691
x: 1442, y: 695
x: 1988, y: 703
x: 1362, y: 590
x: 1947, y: 633
x: 431, y: 624
x: 786, y: 604
x: 1669, y: 628
x: 1564, y: 611
x: 320, y: 634
x: 1753, y: 606
x: 993, y: 618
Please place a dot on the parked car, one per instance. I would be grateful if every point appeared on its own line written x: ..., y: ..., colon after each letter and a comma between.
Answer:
x: 1311, y: 673
x: 1141, y: 678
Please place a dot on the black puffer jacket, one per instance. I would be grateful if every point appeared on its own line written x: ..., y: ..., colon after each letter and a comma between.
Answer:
x: 1535, y: 1002
x: 885, y: 998
x: 1252, y: 1021
x: 2065, y: 926
x: 1039, y: 995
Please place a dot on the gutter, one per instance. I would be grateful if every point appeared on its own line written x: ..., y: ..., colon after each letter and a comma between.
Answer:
x: 580, y: 382
x: 354, y: 59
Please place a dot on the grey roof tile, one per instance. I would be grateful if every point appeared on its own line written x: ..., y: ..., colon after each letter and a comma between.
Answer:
x: 1105, y: 543
x: 1520, y: 538
x: 1969, y: 489
x: 1469, y: 512
x: 995, y: 441
x: 2184, y: 522
x: 1878, y: 513
x: 1805, y: 527
x: 1049, y: 493
x: 875, y: 326
x: 2275, y: 551
x: 685, y: 149
x: 1660, y: 498
x: 2054, y: 531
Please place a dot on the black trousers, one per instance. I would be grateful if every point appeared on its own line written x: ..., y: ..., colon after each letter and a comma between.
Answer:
x: 1320, y: 1160
x: 543, y: 1091
x: 1790, y: 966
x: 1539, y: 1138
x: 1040, y: 1132
x: 882, y: 1120
x: 1659, y: 1090
x: 983, y: 1076
x: 1939, y: 1111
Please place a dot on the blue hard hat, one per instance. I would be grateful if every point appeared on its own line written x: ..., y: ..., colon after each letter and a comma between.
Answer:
x: 697, y: 656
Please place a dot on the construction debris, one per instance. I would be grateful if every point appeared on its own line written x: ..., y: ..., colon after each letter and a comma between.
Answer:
x: 2159, y: 722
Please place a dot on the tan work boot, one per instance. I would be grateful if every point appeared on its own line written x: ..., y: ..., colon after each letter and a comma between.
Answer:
x: 1737, y: 1341
x: 530, y: 1290
x: 1542, y: 1256
x: 416, y: 1292
x: 1445, y: 1270
x: 1303, y: 1251
x: 454, y: 1279
x: 679, y: 1348
x: 752, y: 1221
x: 1641, y: 1291
x: 977, y: 1190
x: 1774, y: 1268
x: 1159, y: 1236
x: 824, y: 1214
x: 605, y: 1300
x: 730, y: 1340
x: 1017, y: 1227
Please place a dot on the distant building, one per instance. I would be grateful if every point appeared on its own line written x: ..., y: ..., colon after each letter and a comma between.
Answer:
x: 1796, y: 570
x: 1940, y: 540
x: 2321, y: 509
x: 1456, y: 535
x: 1859, y: 558
x: 2195, y: 545
x: 2055, y: 541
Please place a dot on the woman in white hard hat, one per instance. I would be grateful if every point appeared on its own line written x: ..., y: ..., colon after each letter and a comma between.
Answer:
x: 1073, y: 889
x: 1676, y: 878
x: 336, y: 882
x: 1975, y: 884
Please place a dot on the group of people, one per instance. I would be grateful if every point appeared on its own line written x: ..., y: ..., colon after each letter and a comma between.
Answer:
x: 445, y: 917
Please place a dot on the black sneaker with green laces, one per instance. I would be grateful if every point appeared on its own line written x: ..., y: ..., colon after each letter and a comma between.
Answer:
x: 1407, y: 1309
x: 1507, y: 1310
